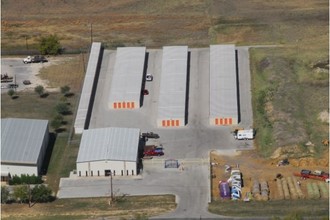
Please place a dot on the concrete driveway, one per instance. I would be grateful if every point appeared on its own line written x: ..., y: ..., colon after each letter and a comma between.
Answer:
x: 190, y: 145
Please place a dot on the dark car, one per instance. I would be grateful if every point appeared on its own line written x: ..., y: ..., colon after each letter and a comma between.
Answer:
x: 26, y: 82
x: 12, y: 85
x: 150, y: 135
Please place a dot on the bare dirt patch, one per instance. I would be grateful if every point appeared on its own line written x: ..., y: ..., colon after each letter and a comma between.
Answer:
x: 254, y: 167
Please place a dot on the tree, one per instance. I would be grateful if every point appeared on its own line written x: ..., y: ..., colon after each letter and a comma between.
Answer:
x: 41, y: 193
x: 50, y: 45
x: 21, y: 193
x: 40, y: 90
x: 62, y: 108
x: 4, y: 194
x: 65, y: 90
x: 56, y: 122
x: 11, y: 92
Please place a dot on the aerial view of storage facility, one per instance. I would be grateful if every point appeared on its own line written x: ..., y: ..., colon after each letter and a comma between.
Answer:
x: 86, y: 94
x: 23, y: 146
x: 108, y: 151
x: 173, y: 84
x: 126, y: 86
x: 223, y: 85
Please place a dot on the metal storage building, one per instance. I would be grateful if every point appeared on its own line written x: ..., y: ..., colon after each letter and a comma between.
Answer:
x: 23, y: 145
x: 173, y: 84
x: 84, y: 108
x: 105, y: 150
x: 223, y: 85
x: 126, y: 85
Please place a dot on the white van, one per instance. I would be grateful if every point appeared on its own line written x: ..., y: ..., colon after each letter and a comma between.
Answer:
x: 244, y: 134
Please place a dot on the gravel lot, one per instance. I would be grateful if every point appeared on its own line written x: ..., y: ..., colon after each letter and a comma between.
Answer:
x: 15, y: 67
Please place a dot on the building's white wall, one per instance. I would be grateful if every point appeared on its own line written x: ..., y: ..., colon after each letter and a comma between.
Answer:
x: 96, y: 168
x: 19, y: 170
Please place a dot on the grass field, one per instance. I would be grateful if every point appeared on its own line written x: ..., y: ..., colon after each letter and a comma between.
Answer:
x: 133, y: 207
x: 295, y: 209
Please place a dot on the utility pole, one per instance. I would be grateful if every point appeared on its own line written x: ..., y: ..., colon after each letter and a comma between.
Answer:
x: 111, y: 189
x: 91, y: 33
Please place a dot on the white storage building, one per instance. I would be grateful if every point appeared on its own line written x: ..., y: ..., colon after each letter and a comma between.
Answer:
x: 84, y: 108
x: 23, y: 145
x: 223, y: 85
x: 108, y: 150
x: 126, y: 86
x: 173, y: 84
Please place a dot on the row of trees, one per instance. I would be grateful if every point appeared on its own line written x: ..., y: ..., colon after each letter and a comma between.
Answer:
x: 26, y: 194
x: 25, y: 179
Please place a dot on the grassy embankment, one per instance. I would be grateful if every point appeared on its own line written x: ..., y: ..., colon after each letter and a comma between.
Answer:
x: 133, y: 207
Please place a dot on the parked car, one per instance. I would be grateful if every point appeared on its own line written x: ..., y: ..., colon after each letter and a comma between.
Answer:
x: 149, y: 77
x: 154, y: 152
x: 35, y: 59
x: 12, y: 85
x: 26, y: 82
x: 150, y: 135
x: 145, y: 92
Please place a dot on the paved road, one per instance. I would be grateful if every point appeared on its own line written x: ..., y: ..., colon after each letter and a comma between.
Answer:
x: 196, y: 140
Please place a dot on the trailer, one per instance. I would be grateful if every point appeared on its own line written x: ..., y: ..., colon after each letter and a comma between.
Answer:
x: 317, y: 175
x: 244, y: 134
x: 224, y: 190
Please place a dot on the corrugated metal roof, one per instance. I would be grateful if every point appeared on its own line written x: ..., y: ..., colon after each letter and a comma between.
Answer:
x: 172, y: 95
x: 109, y: 144
x: 87, y: 88
x: 128, y: 75
x: 22, y: 139
x: 223, y: 82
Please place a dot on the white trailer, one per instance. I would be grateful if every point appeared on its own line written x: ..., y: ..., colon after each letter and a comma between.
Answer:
x: 244, y: 134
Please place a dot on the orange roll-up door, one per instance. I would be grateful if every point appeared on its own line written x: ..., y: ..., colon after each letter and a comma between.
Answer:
x: 163, y: 123
x: 177, y: 122
x: 216, y: 121
x: 115, y: 105
x: 124, y: 104
x: 168, y: 123
x: 172, y: 123
x: 128, y: 105
x: 221, y: 121
x: 225, y: 121
x: 230, y: 121
x: 133, y: 105
x: 119, y: 104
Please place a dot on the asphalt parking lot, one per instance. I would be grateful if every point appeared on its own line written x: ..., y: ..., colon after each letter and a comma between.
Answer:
x: 197, y: 138
x: 190, y: 144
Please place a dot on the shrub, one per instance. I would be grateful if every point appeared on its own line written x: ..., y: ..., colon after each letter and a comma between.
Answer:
x: 4, y: 194
x: 49, y: 45
x: 62, y: 108
x: 41, y: 193
x: 25, y: 179
x: 39, y: 90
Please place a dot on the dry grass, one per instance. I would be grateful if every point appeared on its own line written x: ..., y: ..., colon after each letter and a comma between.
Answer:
x: 87, y: 208
x: 69, y: 71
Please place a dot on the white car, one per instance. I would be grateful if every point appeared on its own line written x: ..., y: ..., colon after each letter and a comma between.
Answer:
x: 149, y: 77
